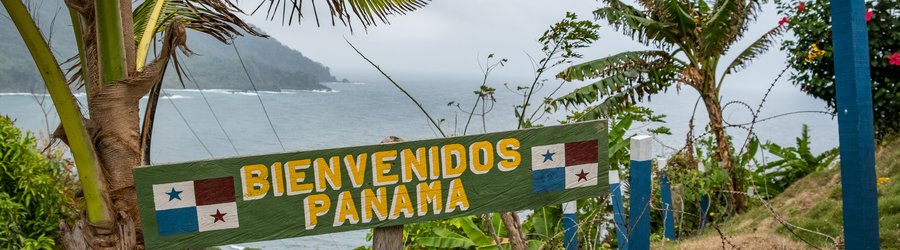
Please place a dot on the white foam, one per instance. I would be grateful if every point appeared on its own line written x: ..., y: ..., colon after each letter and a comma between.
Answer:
x: 350, y: 83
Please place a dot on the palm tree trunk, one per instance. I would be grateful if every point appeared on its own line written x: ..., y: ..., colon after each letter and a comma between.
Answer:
x: 723, y: 149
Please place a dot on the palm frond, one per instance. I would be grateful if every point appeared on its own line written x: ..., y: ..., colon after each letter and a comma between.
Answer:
x: 621, y: 89
x: 758, y: 47
x: 731, y: 19
x: 214, y: 17
x: 717, y: 30
x: 609, y: 107
x: 675, y: 13
x: 611, y: 65
x: 367, y: 12
x: 636, y: 24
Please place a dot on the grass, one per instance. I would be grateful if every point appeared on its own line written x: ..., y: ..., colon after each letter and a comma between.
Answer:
x: 813, y: 204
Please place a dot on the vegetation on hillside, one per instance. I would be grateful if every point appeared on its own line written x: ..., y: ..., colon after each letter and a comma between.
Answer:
x: 272, y: 65
x: 809, y: 211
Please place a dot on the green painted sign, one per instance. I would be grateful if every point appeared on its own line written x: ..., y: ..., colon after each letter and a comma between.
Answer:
x: 266, y: 197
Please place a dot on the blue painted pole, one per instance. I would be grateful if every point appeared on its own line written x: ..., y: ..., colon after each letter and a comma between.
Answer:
x: 615, y: 189
x: 704, y: 210
x: 570, y: 225
x: 666, y: 193
x: 855, y: 123
x: 639, y: 184
x: 704, y: 201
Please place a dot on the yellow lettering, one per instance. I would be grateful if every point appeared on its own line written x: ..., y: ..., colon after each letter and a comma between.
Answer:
x: 506, y: 148
x: 356, y: 169
x: 329, y: 172
x: 478, y: 164
x: 254, y: 179
x: 413, y: 163
x: 456, y: 197
x: 294, y: 171
x: 381, y: 166
x: 277, y: 179
x: 434, y: 162
x: 401, y: 203
x: 374, y: 204
x: 450, y: 154
x: 346, y: 210
x: 429, y: 193
x: 315, y: 205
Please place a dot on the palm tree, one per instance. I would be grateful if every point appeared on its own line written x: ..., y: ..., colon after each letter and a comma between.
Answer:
x: 688, y: 39
x: 113, y: 44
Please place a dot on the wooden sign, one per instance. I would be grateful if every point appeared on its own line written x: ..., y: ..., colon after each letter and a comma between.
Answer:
x: 266, y: 197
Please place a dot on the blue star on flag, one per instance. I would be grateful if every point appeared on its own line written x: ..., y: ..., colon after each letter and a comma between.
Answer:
x: 174, y: 194
x: 548, y: 156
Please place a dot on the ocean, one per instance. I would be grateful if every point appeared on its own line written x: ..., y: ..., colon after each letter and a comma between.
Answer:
x: 363, y: 113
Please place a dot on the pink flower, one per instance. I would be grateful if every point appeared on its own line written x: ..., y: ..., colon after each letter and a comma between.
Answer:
x: 894, y: 59
x: 805, y: 88
x: 801, y: 7
x: 783, y: 21
x: 869, y: 15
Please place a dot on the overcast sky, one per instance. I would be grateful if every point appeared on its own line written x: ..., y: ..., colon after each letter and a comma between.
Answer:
x: 447, y: 36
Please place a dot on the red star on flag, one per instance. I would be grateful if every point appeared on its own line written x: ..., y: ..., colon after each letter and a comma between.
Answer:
x: 582, y: 176
x: 219, y: 216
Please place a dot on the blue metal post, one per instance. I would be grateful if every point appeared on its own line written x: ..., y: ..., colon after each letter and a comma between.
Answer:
x: 615, y: 189
x: 704, y: 201
x: 570, y: 225
x: 639, y: 205
x: 666, y: 193
x: 855, y: 123
x: 704, y: 210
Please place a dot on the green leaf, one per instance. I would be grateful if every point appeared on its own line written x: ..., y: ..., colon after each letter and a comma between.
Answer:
x: 445, y: 242
x: 755, y: 49
x: 473, y: 232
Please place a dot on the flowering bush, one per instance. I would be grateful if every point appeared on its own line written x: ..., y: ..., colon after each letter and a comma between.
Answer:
x: 810, y: 54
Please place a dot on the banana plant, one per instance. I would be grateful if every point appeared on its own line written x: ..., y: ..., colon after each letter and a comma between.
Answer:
x: 464, y: 233
x: 793, y: 163
x: 687, y: 41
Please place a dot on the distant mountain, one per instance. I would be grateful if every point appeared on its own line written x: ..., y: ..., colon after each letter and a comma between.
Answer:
x: 271, y: 65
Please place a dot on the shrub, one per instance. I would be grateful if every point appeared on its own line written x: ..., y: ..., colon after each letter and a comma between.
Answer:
x: 810, y: 55
x: 34, y: 191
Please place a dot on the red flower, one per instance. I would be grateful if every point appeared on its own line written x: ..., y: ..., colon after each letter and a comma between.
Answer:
x: 894, y: 59
x: 869, y: 15
x: 783, y: 21
x: 801, y: 7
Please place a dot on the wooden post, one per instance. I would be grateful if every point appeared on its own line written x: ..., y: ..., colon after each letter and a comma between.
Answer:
x: 853, y: 86
x: 388, y: 238
x: 639, y: 206
x: 666, y: 196
x: 570, y: 225
x: 615, y: 189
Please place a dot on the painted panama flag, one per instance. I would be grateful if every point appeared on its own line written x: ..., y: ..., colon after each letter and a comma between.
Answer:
x: 195, y: 206
x: 563, y: 166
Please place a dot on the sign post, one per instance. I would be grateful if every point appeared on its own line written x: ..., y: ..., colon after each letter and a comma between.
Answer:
x: 570, y: 225
x: 855, y: 123
x: 666, y: 196
x: 285, y: 195
x: 615, y: 189
x: 639, y: 204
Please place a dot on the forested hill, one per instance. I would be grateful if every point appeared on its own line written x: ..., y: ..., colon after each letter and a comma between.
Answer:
x: 272, y: 65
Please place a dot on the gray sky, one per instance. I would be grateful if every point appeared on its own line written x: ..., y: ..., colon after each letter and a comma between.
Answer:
x: 447, y: 37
